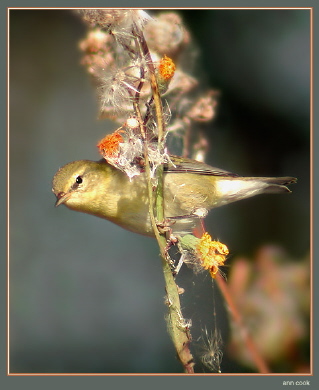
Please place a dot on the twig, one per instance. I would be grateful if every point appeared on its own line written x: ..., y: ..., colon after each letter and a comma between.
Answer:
x: 179, y: 333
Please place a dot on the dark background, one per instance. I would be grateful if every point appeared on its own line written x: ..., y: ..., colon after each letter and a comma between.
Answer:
x: 87, y: 296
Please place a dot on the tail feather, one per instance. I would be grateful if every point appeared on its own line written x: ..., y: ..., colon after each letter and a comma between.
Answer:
x: 276, y: 189
x: 277, y: 185
x: 278, y: 180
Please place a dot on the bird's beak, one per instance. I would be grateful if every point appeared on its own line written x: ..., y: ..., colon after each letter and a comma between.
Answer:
x: 62, y: 197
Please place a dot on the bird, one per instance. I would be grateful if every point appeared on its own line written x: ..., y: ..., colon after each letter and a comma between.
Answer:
x: 189, y: 187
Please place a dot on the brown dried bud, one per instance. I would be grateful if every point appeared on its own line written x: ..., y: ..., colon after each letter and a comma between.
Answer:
x: 166, y: 34
x: 204, y: 109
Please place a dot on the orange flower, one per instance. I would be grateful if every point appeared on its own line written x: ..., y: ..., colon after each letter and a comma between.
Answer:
x: 212, y: 254
x: 166, y: 68
x: 109, y: 145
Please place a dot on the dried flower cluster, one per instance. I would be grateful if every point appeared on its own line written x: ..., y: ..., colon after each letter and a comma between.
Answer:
x: 124, y: 150
x: 116, y: 58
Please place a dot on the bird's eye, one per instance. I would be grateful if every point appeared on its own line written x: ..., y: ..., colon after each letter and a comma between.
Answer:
x: 79, y: 179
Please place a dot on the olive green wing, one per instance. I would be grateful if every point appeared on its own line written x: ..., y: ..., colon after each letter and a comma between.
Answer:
x: 181, y: 164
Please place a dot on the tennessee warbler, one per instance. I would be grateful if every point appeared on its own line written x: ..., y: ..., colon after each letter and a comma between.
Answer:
x: 189, y: 186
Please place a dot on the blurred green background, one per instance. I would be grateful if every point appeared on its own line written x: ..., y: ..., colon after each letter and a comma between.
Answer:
x: 87, y: 296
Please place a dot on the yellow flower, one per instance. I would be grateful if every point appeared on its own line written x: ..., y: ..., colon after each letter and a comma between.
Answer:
x: 212, y: 254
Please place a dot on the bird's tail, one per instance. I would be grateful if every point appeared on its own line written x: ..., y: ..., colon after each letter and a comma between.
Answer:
x: 231, y: 189
x: 276, y: 185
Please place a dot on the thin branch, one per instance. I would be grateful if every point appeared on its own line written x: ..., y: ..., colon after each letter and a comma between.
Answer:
x: 179, y: 333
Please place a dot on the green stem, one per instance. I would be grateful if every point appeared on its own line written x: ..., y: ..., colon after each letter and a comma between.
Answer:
x: 178, y: 330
